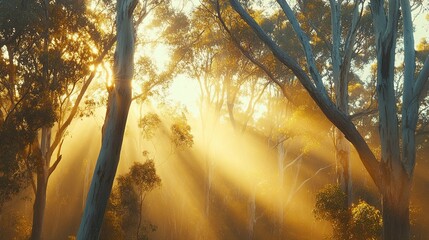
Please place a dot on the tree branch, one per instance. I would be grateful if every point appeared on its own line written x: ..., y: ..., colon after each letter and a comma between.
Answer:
x: 54, y: 166
x: 295, y: 160
x: 308, y: 179
x: 421, y: 84
x: 305, y: 42
x: 368, y: 111
x: 249, y: 56
x: 337, y: 117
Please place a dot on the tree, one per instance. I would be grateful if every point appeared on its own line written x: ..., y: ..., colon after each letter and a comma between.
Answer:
x: 393, y: 172
x: 45, y: 70
x: 359, y: 221
x: 266, y: 66
x: 316, y: 19
x: 124, y: 211
x: 114, y: 125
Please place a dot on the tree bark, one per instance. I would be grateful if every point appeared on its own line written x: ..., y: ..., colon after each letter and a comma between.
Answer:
x: 281, y: 156
x: 42, y: 184
x: 39, y: 205
x: 341, y: 67
x: 251, y: 213
x: 114, y: 125
x: 208, y: 185
x: 395, y: 206
x: 396, y: 184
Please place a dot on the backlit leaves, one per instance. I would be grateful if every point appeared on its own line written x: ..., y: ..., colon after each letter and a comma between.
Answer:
x: 149, y: 123
x: 181, y: 135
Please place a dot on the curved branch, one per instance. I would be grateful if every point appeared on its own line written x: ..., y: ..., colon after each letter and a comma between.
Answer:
x: 319, y: 95
x: 305, y: 42
x: 421, y: 84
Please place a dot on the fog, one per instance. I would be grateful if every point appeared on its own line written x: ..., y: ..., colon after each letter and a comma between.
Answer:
x: 226, y: 186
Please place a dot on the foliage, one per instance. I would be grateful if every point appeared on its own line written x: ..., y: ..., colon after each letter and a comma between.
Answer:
x: 361, y: 221
x: 366, y: 222
x: 181, y: 135
x: 123, y: 215
x: 15, y: 226
x: 31, y: 93
x: 331, y: 205
x: 149, y: 123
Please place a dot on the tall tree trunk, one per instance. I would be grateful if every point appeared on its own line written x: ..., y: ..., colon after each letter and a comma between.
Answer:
x: 341, y: 67
x: 395, y: 184
x: 114, y: 125
x: 208, y: 181
x: 251, y: 213
x: 343, y: 169
x: 281, y: 156
x: 39, y: 205
x: 42, y: 167
x: 395, y: 200
x: 42, y: 183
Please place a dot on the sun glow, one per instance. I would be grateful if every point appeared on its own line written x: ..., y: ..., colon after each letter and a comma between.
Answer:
x: 235, y: 182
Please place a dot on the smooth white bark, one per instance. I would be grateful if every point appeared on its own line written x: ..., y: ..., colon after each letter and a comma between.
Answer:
x: 409, y: 102
x: 340, y: 69
x: 114, y: 126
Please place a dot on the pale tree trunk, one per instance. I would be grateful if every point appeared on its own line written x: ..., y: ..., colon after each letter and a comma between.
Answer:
x: 342, y: 150
x: 42, y: 183
x: 397, y: 168
x: 251, y: 213
x: 114, y: 125
x: 395, y: 185
x: 208, y: 184
x: 252, y: 219
x: 341, y: 67
x: 211, y: 103
x: 43, y: 172
x: 281, y: 156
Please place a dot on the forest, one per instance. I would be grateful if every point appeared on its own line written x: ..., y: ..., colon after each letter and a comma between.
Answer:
x: 214, y: 119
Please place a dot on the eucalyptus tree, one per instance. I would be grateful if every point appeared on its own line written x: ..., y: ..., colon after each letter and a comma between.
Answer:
x: 342, y: 48
x: 124, y: 218
x: 46, y: 67
x: 254, y: 69
x: 118, y: 105
x: 315, y: 16
x: 279, y: 111
x: 47, y: 72
x: 393, y: 171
